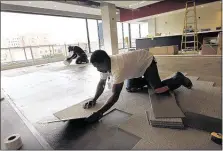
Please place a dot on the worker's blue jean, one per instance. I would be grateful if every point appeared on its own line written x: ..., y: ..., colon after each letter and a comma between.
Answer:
x: 152, y: 79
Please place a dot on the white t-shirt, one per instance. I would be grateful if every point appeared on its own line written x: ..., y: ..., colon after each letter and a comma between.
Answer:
x: 128, y: 65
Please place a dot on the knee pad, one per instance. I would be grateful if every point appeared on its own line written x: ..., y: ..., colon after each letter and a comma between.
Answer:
x: 162, y: 90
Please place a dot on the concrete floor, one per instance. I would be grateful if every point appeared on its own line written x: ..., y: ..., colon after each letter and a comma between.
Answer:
x: 38, y: 92
x: 11, y: 124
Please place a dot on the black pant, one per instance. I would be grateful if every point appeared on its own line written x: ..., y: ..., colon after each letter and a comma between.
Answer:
x: 82, y: 59
x: 152, y: 78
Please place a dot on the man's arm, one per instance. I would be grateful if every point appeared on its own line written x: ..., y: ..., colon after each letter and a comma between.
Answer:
x: 99, y: 91
x: 116, y: 90
x: 74, y: 56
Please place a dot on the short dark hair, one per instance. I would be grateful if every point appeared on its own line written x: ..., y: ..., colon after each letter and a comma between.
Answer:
x: 73, y: 48
x: 99, y: 56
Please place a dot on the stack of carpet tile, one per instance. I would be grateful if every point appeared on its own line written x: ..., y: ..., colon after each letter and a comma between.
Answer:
x: 164, y: 112
x: 176, y: 123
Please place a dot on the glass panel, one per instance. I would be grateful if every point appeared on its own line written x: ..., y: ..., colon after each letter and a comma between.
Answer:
x: 100, y: 31
x: 28, y: 53
x: 58, y: 52
x: 5, y: 56
x: 18, y: 54
x: 41, y: 52
x: 93, y: 34
x: 126, y: 34
x: 144, y: 30
x: 84, y: 46
x: 134, y: 33
x: 40, y: 31
x: 120, y: 35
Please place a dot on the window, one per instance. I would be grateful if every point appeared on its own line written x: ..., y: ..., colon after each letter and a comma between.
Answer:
x: 18, y: 54
x: 73, y: 33
x: 93, y: 34
x: 5, y: 56
x: 120, y: 35
x: 100, y: 32
x: 126, y: 34
x: 134, y: 34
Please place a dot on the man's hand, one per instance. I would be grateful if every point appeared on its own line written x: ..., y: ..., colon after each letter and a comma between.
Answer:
x: 68, y: 59
x: 89, y: 104
x: 100, y: 89
x: 96, y: 116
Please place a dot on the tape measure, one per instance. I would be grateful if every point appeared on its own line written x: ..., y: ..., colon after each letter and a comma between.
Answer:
x: 216, y: 137
x: 13, y: 142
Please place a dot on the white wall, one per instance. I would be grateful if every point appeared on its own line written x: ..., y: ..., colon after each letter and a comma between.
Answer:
x: 210, y: 17
x: 151, y: 26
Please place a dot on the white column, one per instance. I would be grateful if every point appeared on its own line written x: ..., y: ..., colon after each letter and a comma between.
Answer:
x: 108, y: 14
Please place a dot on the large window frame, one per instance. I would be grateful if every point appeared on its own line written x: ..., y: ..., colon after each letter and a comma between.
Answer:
x: 137, y: 26
x: 87, y: 29
x: 90, y: 42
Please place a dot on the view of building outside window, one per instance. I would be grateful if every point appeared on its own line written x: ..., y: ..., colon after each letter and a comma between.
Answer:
x: 144, y: 30
x: 100, y: 31
x: 39, y: 36
x: 134, y: 34
x: 93, y: 34
x: 126, y: 34
x: 43, y: 37
x: 120, y: 35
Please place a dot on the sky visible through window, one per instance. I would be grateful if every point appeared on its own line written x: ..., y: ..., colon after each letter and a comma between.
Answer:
x: 59, y: 29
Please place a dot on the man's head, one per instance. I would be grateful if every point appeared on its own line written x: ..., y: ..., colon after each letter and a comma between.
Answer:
x: 101, y: 61
x: 73, y: 48
x: 70, y: 48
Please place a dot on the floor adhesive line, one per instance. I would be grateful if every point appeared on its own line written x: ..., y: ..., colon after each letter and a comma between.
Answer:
x: 32, y: 129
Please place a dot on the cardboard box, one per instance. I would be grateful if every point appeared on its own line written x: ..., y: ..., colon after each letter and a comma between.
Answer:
x: 172, y: 50
x: 158, y: 50
x: 219, y: 51
x: 209, y: 49
x: 165, y: 50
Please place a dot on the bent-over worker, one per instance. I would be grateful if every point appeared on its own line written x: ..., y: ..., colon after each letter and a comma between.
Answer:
x: 78, y: 53
x: 130, y: 65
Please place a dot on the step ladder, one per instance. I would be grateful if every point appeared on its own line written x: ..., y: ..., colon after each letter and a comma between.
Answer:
x: 189, y: 39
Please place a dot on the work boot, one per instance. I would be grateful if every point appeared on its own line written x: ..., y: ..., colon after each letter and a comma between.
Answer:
x: 131, y: 90
x: 186, y: 82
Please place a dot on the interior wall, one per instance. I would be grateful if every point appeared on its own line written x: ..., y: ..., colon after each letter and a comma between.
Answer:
x: 209, y: 17
x: 151, y: 26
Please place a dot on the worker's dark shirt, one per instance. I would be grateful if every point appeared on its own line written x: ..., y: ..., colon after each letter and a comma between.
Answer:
x: 77, y: 50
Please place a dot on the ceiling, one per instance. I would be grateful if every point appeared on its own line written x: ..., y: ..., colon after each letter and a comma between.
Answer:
x: 57, y: 6
x: 61, y: 6
x: 131, y: 4
x: 209, y: 6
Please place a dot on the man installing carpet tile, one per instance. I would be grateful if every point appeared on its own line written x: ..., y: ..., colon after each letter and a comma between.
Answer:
x: 76, y: 52
x: 131, y: 65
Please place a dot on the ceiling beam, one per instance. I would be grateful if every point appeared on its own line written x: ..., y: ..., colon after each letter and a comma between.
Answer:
x: 86, y: 3
x: 43, y: 11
